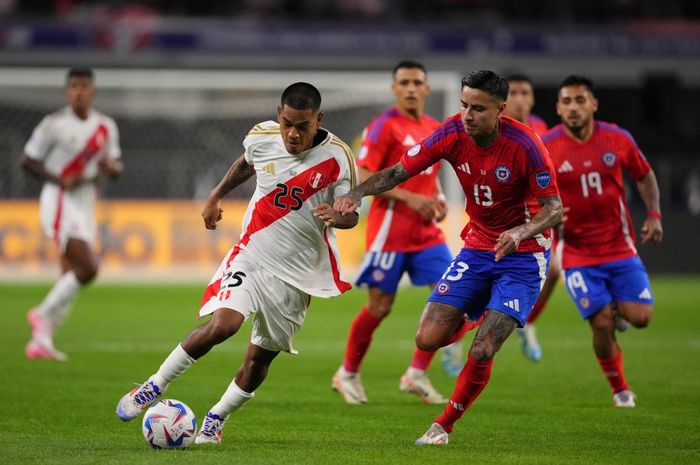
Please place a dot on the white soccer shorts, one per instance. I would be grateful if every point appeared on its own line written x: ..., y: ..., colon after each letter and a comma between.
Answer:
x: 66, y: 215
x: 242, y: 285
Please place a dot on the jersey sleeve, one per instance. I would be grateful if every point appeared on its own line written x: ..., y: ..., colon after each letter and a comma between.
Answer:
x: 38, y: 145
x: 540, y: 169
x: 348, y: 172
x: 374, y: 148
x: 114, y: 150
x: 633, y: 159
x: 428, y: 152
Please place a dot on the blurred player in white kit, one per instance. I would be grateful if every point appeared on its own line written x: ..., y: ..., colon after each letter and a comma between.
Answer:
x: 67, y: 151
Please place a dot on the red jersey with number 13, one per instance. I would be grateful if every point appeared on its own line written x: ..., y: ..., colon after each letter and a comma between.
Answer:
x: 598, y: 228
x: 499, y: 181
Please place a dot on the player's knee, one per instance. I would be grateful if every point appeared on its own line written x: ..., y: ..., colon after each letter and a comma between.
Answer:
x: 219, y: 331
x: 86, y: 274
x: 481, y: 350
x: 641, y: 319
x: 380, y: 311
x: 602, y: 323
x: 426, y: 342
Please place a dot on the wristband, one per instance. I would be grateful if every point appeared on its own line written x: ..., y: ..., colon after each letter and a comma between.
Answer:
x: 654, y: 214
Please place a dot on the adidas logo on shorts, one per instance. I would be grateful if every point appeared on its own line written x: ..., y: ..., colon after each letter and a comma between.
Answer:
x: 513, y: 304
x: 645, y: 294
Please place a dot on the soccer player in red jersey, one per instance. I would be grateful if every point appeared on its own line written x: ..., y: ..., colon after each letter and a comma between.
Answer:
x: 416, y: 205
x: 521, y: 100
x: 603, y: 272
x: 501, y: 165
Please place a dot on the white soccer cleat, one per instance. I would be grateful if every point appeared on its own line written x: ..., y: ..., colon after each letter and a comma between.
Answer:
x: 452, y: 359
x: 624, y: 398
x: 138, y: 400
x: 349, y: 386
x: 41, y: 345
x: 417, y: 382
x: 211, y: 431
x: 621, y: 325
x: 436, y: 435
x: 528, y: 343
x: 37, y: 350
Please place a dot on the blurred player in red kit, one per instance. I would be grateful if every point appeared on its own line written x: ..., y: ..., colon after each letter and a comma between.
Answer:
x: 521, y: 100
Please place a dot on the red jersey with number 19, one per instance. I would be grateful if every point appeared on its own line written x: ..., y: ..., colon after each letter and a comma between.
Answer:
x: 383, y: 143
x: 598, y: 228
x: 498, y: 180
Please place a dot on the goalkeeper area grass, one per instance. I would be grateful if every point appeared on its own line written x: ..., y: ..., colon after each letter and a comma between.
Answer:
x: 553, y: 412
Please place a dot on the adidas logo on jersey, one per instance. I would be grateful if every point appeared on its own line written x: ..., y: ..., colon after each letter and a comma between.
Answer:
x: 565, y: 167
x: 645, y: 294
x: 269, y: 168
x: 408, y: 141
x: 513, y: 304
x: 464, y: 167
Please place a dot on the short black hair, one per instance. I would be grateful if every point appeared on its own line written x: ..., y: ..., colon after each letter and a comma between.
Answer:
x: 301, y: 96
x: 409, y: 64
x: 577, y: 80
x: 80, y: 71
x: 517, y: 77
x: 488, y: 81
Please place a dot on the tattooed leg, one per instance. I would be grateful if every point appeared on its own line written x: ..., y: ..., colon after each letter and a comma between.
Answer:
x: 492, y: 333
x: 437, y: 323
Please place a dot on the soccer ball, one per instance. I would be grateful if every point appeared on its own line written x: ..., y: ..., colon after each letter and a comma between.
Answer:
x: 169, y: 424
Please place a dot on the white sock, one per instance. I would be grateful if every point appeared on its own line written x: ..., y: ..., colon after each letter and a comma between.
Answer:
x: 413, y: 372
x: 55, y: 306
x: 233, y: 399
x: 173, y: 366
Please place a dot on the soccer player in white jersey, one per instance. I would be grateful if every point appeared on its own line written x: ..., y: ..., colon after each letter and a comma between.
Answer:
x: 285, y: 255
x: 67, y: 151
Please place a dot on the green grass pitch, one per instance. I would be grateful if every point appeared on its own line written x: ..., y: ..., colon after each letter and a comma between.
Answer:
x: 558, y: 411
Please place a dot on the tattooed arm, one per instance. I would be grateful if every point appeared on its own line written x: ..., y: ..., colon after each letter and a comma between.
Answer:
x: 549, y: 216
x: 379, y: 182
x: 239, y: 172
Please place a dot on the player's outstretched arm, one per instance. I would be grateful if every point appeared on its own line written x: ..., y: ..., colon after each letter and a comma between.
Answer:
x: 239, y: 172
x: 549, y: 216
x: 379, y: 182
x: 649, y: 191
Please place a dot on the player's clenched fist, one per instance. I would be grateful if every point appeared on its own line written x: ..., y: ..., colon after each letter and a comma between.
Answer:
x: 345, y: 205
x: 212, y: 214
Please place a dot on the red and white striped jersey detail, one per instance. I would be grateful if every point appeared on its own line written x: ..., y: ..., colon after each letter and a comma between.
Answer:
x: 266, y: 213
x: 93, y: 147
x: 332, y: 253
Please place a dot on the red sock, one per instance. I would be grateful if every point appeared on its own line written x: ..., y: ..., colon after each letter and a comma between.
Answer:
x: 612, y: 367
x: 421, y: 359
x: 536, y: 310
x: 471, y: 381
x: 359, y: 338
